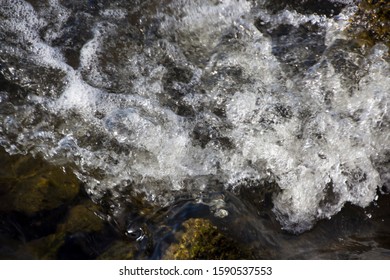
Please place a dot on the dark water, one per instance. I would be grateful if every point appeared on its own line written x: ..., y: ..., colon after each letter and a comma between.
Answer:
x: 265, y: 117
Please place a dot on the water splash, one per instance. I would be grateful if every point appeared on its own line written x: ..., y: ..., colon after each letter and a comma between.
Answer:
x: 191, y: 97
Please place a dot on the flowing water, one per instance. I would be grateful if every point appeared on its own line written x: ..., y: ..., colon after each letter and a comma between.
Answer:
x: 267, y: 118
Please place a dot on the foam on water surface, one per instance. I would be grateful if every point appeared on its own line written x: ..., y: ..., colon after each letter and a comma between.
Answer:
x: 199, y: 92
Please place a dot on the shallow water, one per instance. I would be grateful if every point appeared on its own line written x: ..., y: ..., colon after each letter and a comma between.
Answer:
x: 266, y: 118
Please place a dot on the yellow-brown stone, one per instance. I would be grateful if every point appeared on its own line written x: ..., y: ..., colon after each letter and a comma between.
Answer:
x: 29, y: 184
x: 202, y: 240
x: 371, y: 23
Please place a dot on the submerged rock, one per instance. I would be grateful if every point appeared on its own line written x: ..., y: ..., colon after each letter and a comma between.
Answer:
x: 320, y: 7
x: 119, y: 250
x: 44, y: 209
x: 46, y: 248
x: 82, y: 218
x: 371, y: 23
x: 202, y: 240
x: 80, y: 224
x: 29, y: 185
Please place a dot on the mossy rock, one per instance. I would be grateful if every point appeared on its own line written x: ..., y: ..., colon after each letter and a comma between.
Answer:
x: 371, y: 23
x: 82, y: 218
x: 46, y: 248
x: 29, y: 185
x: 202, y: 240
x: 119, y: 250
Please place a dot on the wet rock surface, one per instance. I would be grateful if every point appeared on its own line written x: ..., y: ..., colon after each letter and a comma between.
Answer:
x: 30, y: 185
x: 371, y: 23
x: 42, y: 208
x: 201, y: 240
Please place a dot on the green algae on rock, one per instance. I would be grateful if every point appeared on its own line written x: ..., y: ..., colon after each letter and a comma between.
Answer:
x: 202, y: 240
x: 120, y: 250
x: 371, y: 23
x: 29, y: 185
x: 46, y: 248
x: 82, y: 218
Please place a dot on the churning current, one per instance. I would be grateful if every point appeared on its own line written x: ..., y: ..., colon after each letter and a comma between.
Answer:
x: 176, y: 98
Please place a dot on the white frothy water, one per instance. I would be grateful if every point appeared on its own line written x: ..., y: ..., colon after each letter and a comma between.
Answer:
x: 208, y: 96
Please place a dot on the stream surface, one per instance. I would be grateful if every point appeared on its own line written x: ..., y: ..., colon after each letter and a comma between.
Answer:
x: 266, y: 118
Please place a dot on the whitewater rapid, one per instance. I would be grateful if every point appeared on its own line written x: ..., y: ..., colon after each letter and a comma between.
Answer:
x: 187, y: 97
